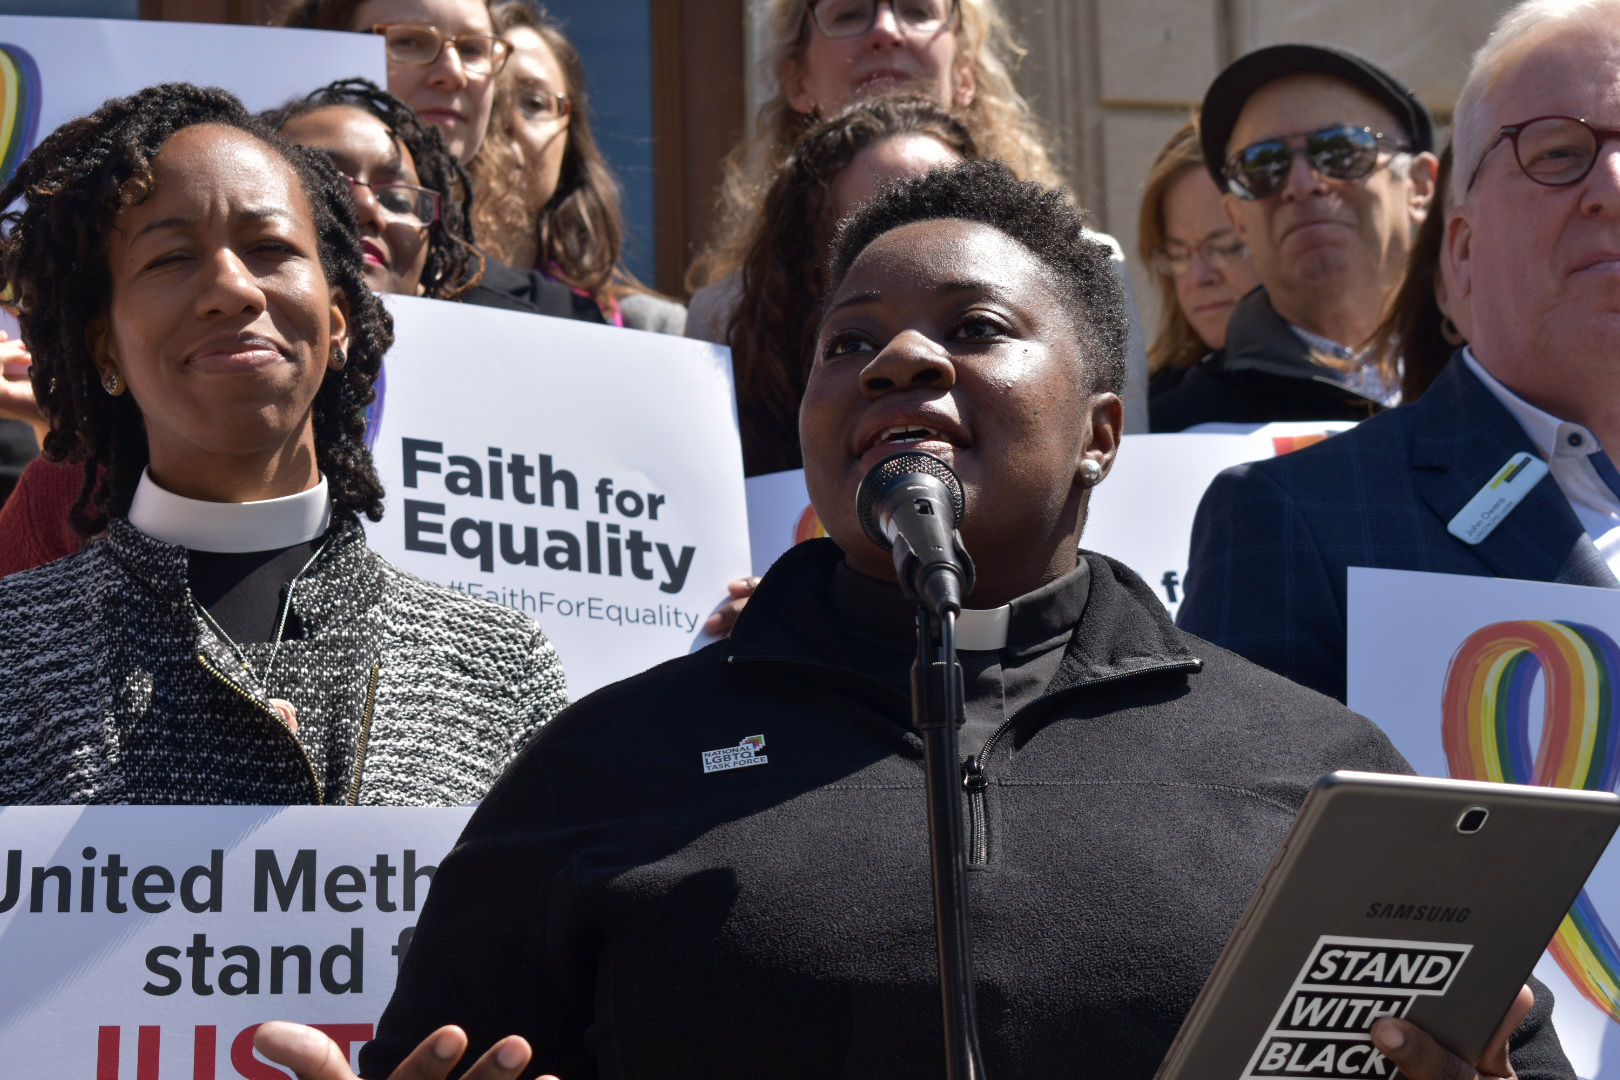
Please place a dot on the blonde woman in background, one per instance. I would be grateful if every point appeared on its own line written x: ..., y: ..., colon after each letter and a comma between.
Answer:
x: 544, y: 196
x: 1200, y: 264
x: 823, y: 57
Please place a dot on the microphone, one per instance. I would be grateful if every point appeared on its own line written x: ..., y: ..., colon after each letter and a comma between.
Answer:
x: 911, y: 503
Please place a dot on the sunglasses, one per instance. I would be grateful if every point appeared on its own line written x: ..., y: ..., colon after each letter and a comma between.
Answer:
x: 412, y: 43
x: 1341, y: 152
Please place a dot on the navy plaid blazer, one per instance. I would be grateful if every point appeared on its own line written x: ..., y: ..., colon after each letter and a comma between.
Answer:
x: 1272, y: 539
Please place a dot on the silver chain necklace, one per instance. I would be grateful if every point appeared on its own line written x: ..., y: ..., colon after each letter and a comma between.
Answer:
x: 284, y: 708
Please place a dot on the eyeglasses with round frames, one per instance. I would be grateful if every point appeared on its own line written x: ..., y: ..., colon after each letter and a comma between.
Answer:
x: 852, y: 18
x: 534, y: 103
x: 1554, y: 151
x: 419, y: 44
x: 1174, y: 259
x: 1341, y: 152
x: 403, y: 202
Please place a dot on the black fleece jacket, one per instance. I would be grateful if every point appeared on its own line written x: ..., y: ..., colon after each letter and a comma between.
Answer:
x: 1265, y: 373
x: 633, y: 916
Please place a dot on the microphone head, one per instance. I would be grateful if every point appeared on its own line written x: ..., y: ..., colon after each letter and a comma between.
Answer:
x: 892, y: 468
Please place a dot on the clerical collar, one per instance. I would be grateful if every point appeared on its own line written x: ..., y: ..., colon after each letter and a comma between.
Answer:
x: 1038, y: 616
x: 266, y: 525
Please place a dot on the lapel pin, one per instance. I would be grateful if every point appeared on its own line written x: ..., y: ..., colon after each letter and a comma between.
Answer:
x: 751, y: 751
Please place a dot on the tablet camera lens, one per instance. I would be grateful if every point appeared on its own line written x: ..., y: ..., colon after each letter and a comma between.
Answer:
x: 1472, y: 820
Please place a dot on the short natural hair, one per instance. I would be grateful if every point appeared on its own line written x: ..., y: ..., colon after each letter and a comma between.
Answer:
x: 1176, y: 344
x: 999, y: 117
x: 1518, y: 32
x: 454, y: 263
x: 53, y: 259
x: 1042, y: 219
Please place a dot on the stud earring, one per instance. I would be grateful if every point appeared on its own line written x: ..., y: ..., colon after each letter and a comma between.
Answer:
x: 111, y: 383
x: 1090, y: 473
x: 339, y: 359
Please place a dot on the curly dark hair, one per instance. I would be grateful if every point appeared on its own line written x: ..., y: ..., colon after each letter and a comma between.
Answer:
x: 772, y: 329
x: 53, y: 262
x: 1040, y: 218
x: 454, y: 263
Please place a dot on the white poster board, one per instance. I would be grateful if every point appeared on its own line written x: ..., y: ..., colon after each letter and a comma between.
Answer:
x: 147, y: 942
x: 1142, y: 514
x: 1456, y: 670
x: 588, y: 476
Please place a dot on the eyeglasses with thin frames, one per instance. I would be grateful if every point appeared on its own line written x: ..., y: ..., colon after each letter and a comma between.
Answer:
x: 1173, y: 259
x: 421, y: 44
x: 1341, y: 152
x: 403, y: 202
x: 852, y: 18
x: 533, y: 103
x: 1554, y: 151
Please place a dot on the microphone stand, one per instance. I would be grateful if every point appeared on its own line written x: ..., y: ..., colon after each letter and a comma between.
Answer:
x: 937, y: 712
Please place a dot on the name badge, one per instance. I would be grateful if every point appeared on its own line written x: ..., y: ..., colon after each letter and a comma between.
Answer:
x: 1496, y: 500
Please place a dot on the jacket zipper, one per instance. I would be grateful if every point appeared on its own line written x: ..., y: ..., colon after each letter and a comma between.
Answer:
x: 365, y: 734
x: 208, y: 665
x: 975, y: 782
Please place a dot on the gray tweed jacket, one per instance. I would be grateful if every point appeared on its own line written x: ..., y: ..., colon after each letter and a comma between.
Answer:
x: 112, y: 689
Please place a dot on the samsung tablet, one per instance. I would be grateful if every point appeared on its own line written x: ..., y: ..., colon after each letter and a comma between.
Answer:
x: 1391, y: 896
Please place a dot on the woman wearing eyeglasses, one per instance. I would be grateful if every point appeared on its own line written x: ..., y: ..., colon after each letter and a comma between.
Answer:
x: 545, y: 198
x: 442, y: 57
x: 828, y: 54
x: 1200, y: 264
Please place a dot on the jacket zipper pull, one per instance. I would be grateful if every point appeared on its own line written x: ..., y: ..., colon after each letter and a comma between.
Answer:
x: 973, y: 781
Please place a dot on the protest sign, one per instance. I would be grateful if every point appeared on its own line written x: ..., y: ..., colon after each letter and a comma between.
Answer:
x: 148, y: 942
x: 588, y: 476
x: 54, y: 69
x: 1142, y: 514
x: 1509, y: 681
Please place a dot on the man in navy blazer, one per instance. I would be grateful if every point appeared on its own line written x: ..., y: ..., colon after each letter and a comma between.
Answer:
x: 1532, y: 251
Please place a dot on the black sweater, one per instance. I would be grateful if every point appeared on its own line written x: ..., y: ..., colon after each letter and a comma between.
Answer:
x: 634, y: 916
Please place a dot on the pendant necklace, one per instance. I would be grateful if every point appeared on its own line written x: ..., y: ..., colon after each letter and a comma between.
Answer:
x: 283, y: 708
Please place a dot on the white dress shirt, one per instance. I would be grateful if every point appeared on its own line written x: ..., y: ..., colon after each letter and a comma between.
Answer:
x: 1579, y: 464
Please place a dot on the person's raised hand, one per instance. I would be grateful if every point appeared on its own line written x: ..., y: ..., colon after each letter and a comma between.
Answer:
x: 1421, y: 1058
x: 312, y: 1056
x: 16, y: 391
x: 725, y: 616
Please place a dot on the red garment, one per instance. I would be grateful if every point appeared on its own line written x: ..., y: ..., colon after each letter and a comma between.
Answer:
x: 34, y: 527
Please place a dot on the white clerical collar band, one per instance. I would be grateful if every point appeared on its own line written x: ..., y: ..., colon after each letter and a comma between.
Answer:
x: 983, y: 629
x: 231, y: 528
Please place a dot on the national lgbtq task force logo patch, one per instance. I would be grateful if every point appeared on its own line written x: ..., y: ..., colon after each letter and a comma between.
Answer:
x: 1486, y: 733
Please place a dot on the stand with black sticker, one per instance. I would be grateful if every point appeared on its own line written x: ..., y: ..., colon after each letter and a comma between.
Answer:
x: 938, y: 714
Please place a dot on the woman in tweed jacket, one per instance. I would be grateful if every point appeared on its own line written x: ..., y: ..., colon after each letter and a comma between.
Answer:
x: 191, y: 288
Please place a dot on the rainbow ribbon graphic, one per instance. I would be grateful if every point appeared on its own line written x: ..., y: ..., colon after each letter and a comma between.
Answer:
x: 1486, y: 734
x: 19, y: 107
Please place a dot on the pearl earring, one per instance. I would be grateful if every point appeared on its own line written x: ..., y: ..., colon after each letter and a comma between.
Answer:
x: 1090, y: 473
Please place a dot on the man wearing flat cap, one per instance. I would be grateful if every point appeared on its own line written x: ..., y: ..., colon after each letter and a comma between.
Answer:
x: 1503, y: 468
x: 1327, y: 167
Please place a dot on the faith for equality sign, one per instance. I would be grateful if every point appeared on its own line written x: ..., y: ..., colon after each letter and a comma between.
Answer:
x: 1513, y: 682
x: 587, y: 476
x: 147, y: 943
x: 1142, y: 514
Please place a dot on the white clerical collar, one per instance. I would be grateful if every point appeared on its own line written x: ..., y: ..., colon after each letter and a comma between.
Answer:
x: 266, y: 525
x: 983, y: 629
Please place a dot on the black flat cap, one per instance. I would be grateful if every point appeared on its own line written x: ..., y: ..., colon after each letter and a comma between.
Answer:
x: 1234, y: 86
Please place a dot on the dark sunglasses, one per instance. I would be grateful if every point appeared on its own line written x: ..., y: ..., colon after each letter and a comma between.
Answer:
x: 1341, y: 152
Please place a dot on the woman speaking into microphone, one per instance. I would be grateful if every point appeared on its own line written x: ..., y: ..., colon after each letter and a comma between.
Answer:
x: 204, y: 342
x: 719, y: 868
